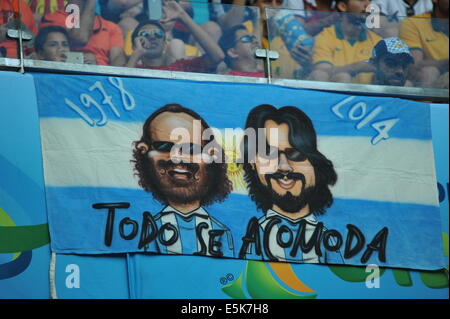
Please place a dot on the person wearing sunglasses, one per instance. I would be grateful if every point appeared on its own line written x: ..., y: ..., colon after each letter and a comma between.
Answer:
x: 176, y: 174
x: 239, y: 47
x: 150, y: 47
x: 288, y: 180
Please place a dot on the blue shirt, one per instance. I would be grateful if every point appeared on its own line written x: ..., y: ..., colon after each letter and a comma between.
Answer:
x: 190, y: 233
x: 287, y: 229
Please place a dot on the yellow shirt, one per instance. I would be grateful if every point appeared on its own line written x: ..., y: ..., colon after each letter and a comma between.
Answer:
x: 421, y: 32
x: 331, y: 47
x: 39, y: 6
x: 285, y: 66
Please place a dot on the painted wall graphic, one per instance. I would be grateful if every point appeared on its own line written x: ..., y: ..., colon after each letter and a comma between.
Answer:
x: 342, y: 180
x: 22, y: 203
x: 24, y: 235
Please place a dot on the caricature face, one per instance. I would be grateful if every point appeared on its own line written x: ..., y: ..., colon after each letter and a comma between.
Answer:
x: 152, y: 40
x: 181, y: 177
x: 290, y: 177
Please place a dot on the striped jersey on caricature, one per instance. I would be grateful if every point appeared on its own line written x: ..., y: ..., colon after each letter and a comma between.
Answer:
x: 289, y: 230
x: 195, y: 233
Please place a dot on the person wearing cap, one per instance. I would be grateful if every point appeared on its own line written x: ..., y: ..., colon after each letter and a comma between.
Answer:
x: 391, y: 58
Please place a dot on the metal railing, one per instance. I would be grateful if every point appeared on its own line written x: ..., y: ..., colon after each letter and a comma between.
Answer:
x: 292, y: 46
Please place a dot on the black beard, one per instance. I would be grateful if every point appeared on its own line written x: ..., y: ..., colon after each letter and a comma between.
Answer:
x: 180, y: 192
x: 383, y: 80
x: 288, y: 202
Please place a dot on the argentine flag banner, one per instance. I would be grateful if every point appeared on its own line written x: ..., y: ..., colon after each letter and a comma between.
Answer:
x: 246, y: 171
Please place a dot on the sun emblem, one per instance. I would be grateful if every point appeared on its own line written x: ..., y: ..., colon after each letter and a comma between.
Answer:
x: 230, y: 140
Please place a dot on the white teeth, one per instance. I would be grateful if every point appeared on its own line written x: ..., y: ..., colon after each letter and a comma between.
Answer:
x: 285, y: 182
x: 180, y: 171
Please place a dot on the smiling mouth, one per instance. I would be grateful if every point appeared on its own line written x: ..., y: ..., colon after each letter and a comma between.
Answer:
x: 180, y: 174
x: 285, y: 183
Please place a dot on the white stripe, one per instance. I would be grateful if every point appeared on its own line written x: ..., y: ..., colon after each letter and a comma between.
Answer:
x: 52, y: 276
x: 276, y: 250
x: 175, y: 248
x: 311, y: 256
x: 401, y: 170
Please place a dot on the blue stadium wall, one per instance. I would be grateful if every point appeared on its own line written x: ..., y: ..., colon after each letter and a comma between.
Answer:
x: 25, y: 252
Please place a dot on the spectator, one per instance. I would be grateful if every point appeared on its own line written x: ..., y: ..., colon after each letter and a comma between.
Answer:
x: 342, y: 51
x: 427, y: 36
x: 391, y: 58
x: 229, y: 13
x: 122, y: 12
x: 41, y: 7
x: 177, y: 36
x: 404, y: 8
x: 52, y: 44
x: 7, y: 18
x: 313, y: 14
x: 295, y: 55
x: 239, y: 47
x: 95, y: 34
x: 150, y: 46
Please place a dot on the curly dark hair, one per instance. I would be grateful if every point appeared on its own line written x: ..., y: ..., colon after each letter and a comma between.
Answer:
x: 219, y: 186
x: 302, y: 136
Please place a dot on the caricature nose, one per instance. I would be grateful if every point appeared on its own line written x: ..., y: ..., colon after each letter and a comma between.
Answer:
x: 283, y: 164
x: 177, y: 156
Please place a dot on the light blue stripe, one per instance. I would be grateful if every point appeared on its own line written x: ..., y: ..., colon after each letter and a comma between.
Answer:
x: 227, y: 105
x: 414, y: 230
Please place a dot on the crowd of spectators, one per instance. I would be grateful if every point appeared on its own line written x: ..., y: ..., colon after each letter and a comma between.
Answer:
x: 402, y: 42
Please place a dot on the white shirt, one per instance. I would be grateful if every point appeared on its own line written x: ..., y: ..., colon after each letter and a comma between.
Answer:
x: 279, y: 252
x: 176, y: 248
x: 399, y: 7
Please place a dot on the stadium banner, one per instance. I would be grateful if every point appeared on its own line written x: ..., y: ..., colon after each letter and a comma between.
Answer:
x: 243, y: 171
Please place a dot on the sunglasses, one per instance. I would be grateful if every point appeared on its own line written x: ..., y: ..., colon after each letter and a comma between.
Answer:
x: 166, y: 147
x: 247, y: 39
x: 291, y: 154
x: 154, y: 33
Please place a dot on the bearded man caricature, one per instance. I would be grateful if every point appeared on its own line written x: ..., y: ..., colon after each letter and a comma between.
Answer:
x: 288, y: 179
x: 176, y: 175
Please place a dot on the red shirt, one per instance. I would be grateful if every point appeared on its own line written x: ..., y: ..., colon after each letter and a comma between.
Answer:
x: 184, y: 65
x: 257, y: 74
x: 7, y: 15
x: 106, y: 35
